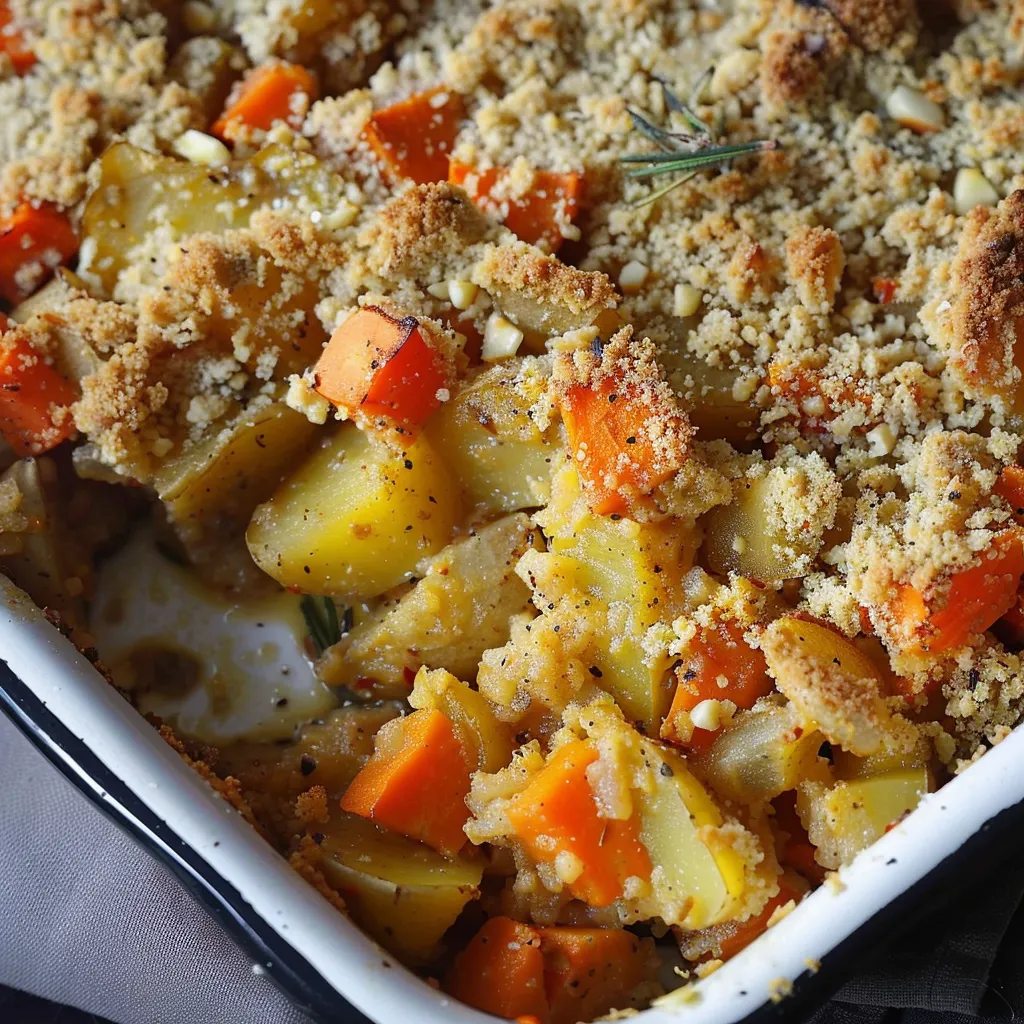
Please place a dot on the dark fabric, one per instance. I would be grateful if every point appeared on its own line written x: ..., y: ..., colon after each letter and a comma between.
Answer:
x: 90, y: 920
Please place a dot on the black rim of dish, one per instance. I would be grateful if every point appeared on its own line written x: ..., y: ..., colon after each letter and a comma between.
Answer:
x: 289, y: 970
x: 312, y: 993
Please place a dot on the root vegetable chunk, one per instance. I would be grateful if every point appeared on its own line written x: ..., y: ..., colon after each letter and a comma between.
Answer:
x: 830, y: 681
x: 416, y: 782
x: 375, y: 365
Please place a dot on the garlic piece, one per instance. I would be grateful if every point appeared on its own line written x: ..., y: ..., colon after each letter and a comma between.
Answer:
x: 632, y: 276
x: 501, y: 339
x: 686, y: 300
x: 707, y: 715
x: 914, y: 110
x: 972, y: 189
x: 462, y: 293
x: 199, y: 148
x: 882, y: 440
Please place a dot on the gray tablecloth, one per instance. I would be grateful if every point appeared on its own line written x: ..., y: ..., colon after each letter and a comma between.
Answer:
x: 90, y: 920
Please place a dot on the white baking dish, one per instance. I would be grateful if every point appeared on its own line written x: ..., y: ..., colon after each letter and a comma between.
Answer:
x: 97, y: 739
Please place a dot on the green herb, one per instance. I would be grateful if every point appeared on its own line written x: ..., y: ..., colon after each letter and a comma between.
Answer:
x: 321, y: 615
x: 683, y: 153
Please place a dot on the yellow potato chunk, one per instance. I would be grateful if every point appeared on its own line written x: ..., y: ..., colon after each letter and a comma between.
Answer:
x: 772, y: 529
x: 140, y: 196
x: 631, y: 573
x: 356, y: 517
x: 848, y: 817
x: 761, y: 754
x: 487, y: 432
x: 404, y: 894
x: 674, y: 817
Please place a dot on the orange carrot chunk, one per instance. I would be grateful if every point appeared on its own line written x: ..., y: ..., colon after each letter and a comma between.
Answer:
x: 716, y: 652
x: 375, y: 365
x: 974, y: 600
x: 536, y: 216
x: 31, y: 392
x: 590, y: 971
x: 416, y: 782
x: 549, y: 975
x: 557, y: 813
x: 34, y: 241
x: 413, y: 139
x: 607, y: 428
x: 1010, y: 487
x: 501, y: 971
x: 276, y: 91
x: 12, y: 42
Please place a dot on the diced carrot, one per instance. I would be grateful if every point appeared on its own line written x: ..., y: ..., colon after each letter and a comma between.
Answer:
x: 275, y: 91
x: 538, y: 215
x: 416, y: 782
x: 610, y: 445
x: 974, y: 600
x: 884, y: 289
x: 34, y: 241
x: 557, y: 813
x: 379, y: 366
x: 501, y: 971
x: 808, y: 388
x: 30, y: 392
x: 1010, y: 487
x: 414, y: 138
x: 549, y: 975
x: 12, y: 42
x: 718, y: 665
x: 747, y: 931
x: 590, y: 971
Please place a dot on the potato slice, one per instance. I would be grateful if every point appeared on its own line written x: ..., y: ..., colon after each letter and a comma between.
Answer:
x: 459, y: 608
x: 490, y: 439
x: 673, y: 819
x: 848, y: 817
x: 763, y: 753
x: 356, y: 518
x: 401, y: 892
x: 831, y: 683
x: 141, y: 197
x: 772, y: 529
x: 211, y: 490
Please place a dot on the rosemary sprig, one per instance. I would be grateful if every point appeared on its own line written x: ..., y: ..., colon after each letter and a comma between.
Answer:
x: 667, y: 162
x: 321, y: 615
x: 683, y: 153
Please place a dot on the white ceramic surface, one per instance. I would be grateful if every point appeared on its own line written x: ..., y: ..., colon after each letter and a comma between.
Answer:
x: 93, y: 711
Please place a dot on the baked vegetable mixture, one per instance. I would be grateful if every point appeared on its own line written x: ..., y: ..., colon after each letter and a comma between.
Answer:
x: 552, y: 464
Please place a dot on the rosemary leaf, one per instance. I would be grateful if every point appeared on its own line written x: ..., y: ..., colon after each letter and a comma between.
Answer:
x: 663, y: 191
x: 706, y: 156
x: 321, y: 617
x: 696, y: 161
x: 673, y: 102
x: 667, y: 140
